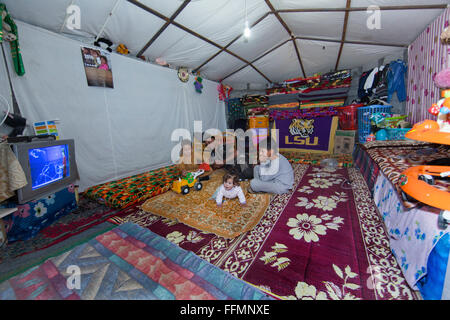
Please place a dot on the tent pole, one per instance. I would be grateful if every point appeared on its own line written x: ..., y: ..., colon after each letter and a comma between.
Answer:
x: 285, y: 26
x: 344, y: 32
x: 107, y: 20
x: 166, y: 24
x: 383, y: 8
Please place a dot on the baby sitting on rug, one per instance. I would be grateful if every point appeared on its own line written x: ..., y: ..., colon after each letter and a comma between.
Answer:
x: 230, y: 189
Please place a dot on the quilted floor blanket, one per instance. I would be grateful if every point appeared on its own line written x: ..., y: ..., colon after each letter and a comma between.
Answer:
x: 127, y: 191
x: 128, y: 262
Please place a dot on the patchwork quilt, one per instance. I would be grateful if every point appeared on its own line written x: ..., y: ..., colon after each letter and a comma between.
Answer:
x: 127, y: 191
x: 127, y: 263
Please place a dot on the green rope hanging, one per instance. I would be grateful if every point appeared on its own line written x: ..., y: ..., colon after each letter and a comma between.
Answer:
x: 14, y: 44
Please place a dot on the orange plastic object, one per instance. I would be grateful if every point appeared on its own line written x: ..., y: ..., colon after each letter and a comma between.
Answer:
x: 258, y: 122
x: 422, y: 191
x: 446, y: 103
x: 428, y: 131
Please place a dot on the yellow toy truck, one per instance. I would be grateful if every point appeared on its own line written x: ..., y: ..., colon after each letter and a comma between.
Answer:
x: 183, y: 185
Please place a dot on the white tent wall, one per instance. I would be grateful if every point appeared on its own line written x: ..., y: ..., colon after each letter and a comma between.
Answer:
x: 5, y: 91
x: 118, y: 132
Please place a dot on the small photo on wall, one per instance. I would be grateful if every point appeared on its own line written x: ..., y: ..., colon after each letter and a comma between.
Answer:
x: 97, y: 65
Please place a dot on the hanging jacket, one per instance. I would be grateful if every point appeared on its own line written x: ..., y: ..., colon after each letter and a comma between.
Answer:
x: 396, y: 80
x: 362, y: 80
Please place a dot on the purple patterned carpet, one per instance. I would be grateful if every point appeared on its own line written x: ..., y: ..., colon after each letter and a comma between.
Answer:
x: 325, y: 240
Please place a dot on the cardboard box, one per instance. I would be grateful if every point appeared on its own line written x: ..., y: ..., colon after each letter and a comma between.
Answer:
x: 344, y: 141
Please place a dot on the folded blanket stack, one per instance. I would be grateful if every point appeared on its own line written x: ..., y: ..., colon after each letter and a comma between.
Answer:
x: 255, y: 105
x: 302, y: 113
x: 328, y: 90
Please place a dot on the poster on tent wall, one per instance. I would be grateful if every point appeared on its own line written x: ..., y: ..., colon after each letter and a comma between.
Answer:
x: 315, y: 135
x: 97, y: 65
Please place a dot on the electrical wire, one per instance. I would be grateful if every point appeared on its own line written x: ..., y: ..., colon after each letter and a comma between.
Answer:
x: 7, y: 112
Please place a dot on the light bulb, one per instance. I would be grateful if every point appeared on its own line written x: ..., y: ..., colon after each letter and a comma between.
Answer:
x: 247, y: 31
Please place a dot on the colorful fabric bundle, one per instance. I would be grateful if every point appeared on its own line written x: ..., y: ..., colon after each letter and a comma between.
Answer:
x: 343, y: 75
x: 254, y: 99
x: 303, y: 113
x: 322, y: 103
x: 290, y: 105
x: 331, y: 80
x: 258, y: 111
x: 15, y: 49
x: 124, y: 192
x: 283, y: 98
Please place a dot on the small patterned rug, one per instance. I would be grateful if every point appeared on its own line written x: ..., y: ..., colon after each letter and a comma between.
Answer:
x: 88, y: 214
x: 198, y: 210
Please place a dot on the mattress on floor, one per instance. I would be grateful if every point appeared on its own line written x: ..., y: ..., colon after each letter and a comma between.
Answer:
x: 127, y: 191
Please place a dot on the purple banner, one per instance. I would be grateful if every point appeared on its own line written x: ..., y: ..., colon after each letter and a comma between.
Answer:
x: 309, y: 135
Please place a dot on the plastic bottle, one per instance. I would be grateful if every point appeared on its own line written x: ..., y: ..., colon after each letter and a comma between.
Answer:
x: 329, y: 163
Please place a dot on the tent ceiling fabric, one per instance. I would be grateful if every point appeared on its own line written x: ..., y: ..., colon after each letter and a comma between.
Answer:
x: 208, y: 34
x: 318, y: 56
x: 315, y: 24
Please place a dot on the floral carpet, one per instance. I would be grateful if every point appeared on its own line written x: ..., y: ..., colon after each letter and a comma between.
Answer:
x: 323, y: 240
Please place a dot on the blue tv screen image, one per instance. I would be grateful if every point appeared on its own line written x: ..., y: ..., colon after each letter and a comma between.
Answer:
x: 48, y: 165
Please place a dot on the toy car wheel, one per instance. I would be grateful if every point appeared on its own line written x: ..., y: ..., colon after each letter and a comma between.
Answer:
x: 198, y: 186
x: 427, y: 178
x: 185, y: 190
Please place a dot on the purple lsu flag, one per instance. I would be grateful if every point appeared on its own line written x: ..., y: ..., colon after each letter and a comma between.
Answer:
x: 315, y: 135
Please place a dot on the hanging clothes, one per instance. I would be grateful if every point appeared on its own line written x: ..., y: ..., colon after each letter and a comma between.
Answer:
x: 370, y: 79
x: 381, y: 87
x: 362, y: 81
x: 396, y: 80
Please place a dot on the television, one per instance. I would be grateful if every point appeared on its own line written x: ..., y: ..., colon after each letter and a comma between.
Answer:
x: 49, y: 166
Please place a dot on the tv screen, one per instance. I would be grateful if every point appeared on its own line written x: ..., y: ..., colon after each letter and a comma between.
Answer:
x: 49, y: 166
